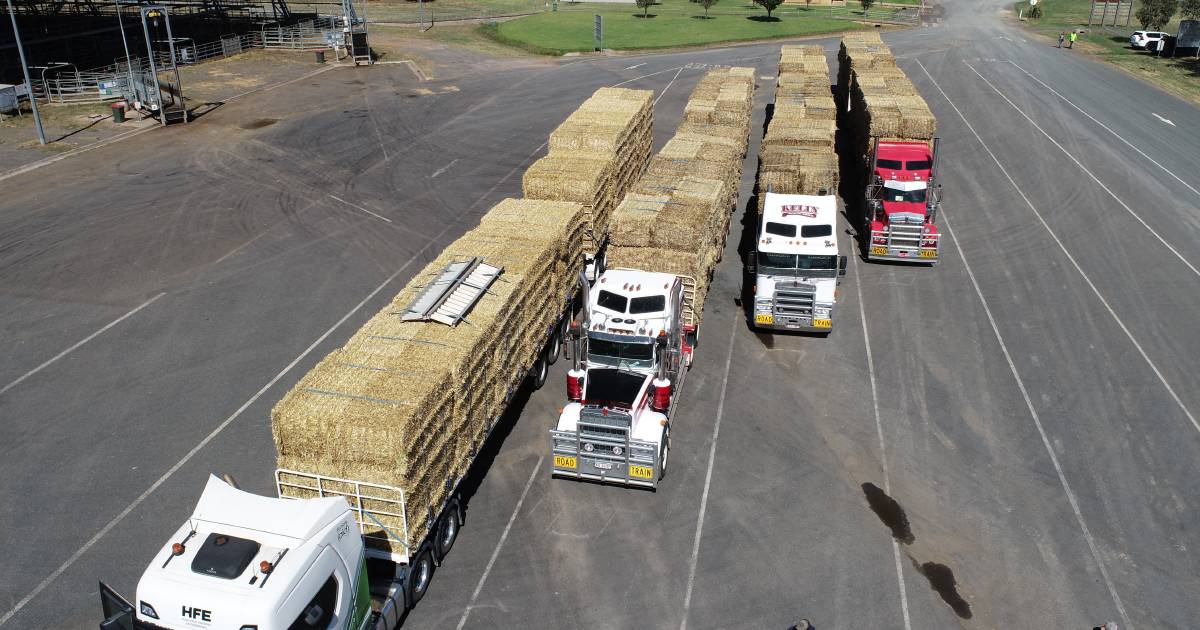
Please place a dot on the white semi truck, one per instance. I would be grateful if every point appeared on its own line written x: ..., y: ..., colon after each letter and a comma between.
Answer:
x: 797, y: 263
x: 630, y: 355
x: 249, y: 562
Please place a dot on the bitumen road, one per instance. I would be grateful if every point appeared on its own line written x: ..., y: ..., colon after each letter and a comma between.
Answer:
x: 1005, y: 439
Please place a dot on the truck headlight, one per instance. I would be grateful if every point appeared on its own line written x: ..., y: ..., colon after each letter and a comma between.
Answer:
x: 146, y: 610
x: 762, y: 305
x: 822, y: 311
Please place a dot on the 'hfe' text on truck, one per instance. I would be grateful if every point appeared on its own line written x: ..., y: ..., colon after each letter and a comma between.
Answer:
x: 797, y: 263
x: 902, y: 201
x: 630, y: 355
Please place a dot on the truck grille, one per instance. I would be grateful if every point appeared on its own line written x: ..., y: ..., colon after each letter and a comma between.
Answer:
x: 906, y: 236
x: 794, y: 301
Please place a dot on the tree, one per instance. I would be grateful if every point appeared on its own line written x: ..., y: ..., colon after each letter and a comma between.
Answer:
x: 769, y: 5
x: 1190, y: 9
x: 866, y: 5
x: 1154, y: 14
x: 808, y: 4
x: 645, y: 5
x: 1035, y: 12
x: 708, y: 3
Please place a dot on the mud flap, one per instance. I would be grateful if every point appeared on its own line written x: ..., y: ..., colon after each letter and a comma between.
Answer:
x: 117, y: 611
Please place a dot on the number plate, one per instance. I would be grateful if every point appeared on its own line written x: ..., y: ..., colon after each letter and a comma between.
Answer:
x: 822, y: 323
x: 879, y: 251
x: 928, y: 253
x: 644, y: 472
x: 563, y: 461
x: 603, y: 465
x: 764, y: 318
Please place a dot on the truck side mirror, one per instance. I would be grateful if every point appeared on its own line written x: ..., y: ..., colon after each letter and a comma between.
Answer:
x: 842, y: 265
x: 752, y: 261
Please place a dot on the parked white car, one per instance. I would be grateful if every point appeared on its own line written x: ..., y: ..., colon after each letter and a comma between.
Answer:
x: 1146, y: 39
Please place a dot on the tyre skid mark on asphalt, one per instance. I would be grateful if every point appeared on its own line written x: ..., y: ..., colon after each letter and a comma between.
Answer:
x: 91, y: 542
x: 1104, y: 126
x: 1046, y: 442
x: 1095, y: 290
x: 1089, y: 173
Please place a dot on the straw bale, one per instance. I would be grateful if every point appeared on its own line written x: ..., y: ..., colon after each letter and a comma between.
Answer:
x: 634, y: 219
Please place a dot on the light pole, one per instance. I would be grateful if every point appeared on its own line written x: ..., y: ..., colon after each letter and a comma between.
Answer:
x: 37, y: 118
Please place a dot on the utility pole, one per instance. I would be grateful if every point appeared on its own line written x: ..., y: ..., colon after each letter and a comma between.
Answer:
x: 37, y: 118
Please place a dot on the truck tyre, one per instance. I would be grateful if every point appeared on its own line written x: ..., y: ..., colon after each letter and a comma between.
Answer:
x: 540, y: 371
x: 447, y: 531
x: 420, y: 574
x: 665, y: 452
x: 556, y: 341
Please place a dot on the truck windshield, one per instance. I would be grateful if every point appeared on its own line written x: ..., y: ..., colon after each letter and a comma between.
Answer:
x: 797, y: 265
x: 621, y: 353
x: 911, y: 196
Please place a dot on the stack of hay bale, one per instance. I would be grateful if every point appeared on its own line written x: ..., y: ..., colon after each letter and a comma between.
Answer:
x: 879, y: 100
x: 595, y: 154
x: 405, y: 404
x: 797, y: 153
x: 676, y: 217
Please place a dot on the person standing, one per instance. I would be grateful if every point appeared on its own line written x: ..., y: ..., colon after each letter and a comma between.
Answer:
x: 1071, y: 44
x: 1061, y: 36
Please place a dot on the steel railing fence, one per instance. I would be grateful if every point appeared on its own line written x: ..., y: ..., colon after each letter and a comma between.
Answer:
x: 112, y: 82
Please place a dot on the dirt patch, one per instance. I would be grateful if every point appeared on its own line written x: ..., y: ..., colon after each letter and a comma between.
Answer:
x: 218, y: 80
x: 259, y: 124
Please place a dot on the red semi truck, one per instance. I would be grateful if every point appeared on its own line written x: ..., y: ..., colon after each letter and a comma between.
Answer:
x: 902, y: 200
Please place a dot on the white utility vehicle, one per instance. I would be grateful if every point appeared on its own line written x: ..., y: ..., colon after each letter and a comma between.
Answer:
x: 1144, y: 39
x: 797, y: 263
x: 630, y: 355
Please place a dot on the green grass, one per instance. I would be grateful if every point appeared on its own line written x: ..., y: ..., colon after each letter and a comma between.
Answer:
x: 675, y: 23
x: 1111, y: 44
x: 410, y: 11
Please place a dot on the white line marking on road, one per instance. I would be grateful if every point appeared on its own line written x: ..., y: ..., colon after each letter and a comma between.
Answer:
x: 1162, y: 119
x: 80, y: 343
x: 712, y: 456
x: 669, y: 84
x: 1162, y: 379
x: 358, y: 207
x: 192, y: 453
x: 645, y: 76
x: 887, y: 477
x: 443, y: 169
x: 87, y: 147
x: 1062, y: 477
x: 1106, y: 127
x: 1089, y: 173
x: 637, y: 66
x: 462, y: 622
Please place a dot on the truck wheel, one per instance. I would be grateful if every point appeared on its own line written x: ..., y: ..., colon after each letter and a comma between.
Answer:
x: 420, y: 574
x: 556, y: 341
x: 665, y: 451
x: 447, y: 531
x: 540, y: 371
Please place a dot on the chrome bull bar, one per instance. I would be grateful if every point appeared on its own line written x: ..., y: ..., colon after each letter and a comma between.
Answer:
x: 905, y: 244
x: 604, y: 457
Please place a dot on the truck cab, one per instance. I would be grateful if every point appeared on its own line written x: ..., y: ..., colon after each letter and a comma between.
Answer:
x: 797, y: 263
x: 247, y: 561
x: 630, y: 354
x: 902, y: 201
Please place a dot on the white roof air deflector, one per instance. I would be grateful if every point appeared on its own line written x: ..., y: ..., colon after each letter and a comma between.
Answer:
x: 452, y: 294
